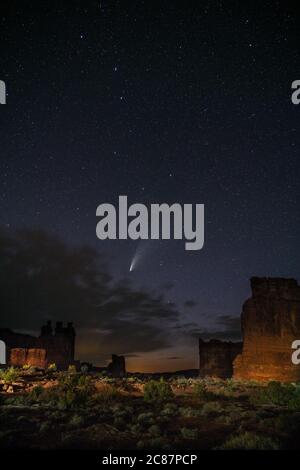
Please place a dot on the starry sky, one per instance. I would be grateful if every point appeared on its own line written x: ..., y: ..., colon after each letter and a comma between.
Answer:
x: 166, y: 102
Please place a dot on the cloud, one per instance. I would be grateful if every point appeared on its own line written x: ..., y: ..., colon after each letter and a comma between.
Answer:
x: 43, y: 278
x: 229, y: 329
x: 190, y: 303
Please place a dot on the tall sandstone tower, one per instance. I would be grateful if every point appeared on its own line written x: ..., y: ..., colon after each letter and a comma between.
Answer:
x: 270, y: 323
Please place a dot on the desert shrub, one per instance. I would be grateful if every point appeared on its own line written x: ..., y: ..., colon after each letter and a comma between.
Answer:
x: 72, y: 369
x: 287, y: 423
x: 76, y: 421
x: 135, y: 428
x: 157, y: 391
x: 280, y: 394
x: 36, y: 392
x: 154, y: 430
x: 211, y: 407
x: 73, y: 380
x: 45, y: 427
x: 26, y: 366
x: 52, y: 367
x: 22, y: 419
x: 181, y: 382
x: 225, y: 419
x: 200, y: 391
x: 188, y: 433
x: 189, y: 412
x: 170, y: 409
x: 145, y: 419
x: 153, y: 443
x: 9, y: 375
x: 294, y: 402
x: 275, y: 393
x: 106, y: 395
x: 71, y: 392
x: 19, y: 400
x: 249, y: 441
x: 122, y: 413
x: 72, y: 398
x: 230, y: 384
x: 120, y: 423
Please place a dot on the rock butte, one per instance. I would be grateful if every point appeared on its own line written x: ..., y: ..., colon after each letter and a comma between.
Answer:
x: 270, y: 323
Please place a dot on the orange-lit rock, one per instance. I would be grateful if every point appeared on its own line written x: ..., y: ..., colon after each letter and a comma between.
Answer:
x: 58, y: 342
x: 270, y: 323
x: 32, y: 357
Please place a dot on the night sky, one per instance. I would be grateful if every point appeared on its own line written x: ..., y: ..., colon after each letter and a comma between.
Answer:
x: 166, y: 102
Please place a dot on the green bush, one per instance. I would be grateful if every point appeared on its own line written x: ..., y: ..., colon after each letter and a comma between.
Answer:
x: 45, y: 427
x: 157, y: 391
x: 170, y: 409
x: 15, y: 400
x: 249, y: 441
x: 153, y: 443
x: 277, y: 394
x: 189, y: 412
x: 294, y: 402
x: 154, y: 430
x: 145, y: 419
x: 72, y: 398
x: 36, y: 392
x: 9, y: 375
x: 212, y: 407
x: 188, y: 433
x: 200, y: 391
x: 72, y: 391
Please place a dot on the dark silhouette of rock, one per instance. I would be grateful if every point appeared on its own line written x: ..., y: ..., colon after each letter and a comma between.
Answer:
x: 216, y: 357
x: 270, y: 323
x: 117, y: 367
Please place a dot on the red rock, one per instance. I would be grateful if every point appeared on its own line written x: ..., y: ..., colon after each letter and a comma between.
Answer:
x: 270, y: 323
x: 32, y: 357
x: 59, y: 345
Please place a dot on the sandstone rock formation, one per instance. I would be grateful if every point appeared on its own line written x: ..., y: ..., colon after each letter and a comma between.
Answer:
x: 216, y: 357
x: 58, y: 344
x: 270, y: 323
x: 33, y: 357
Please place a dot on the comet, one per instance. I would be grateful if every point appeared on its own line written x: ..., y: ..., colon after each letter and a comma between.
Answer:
x: 132, y: 265
x: 141, y: 251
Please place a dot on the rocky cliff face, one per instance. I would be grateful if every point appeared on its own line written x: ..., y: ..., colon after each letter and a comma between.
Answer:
x: 216, y: 357
x: 32, y: 357
x: 58, y: 344
x: 270, y: 323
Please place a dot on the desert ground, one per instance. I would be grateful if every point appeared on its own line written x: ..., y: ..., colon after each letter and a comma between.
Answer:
x: 72, y: 410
